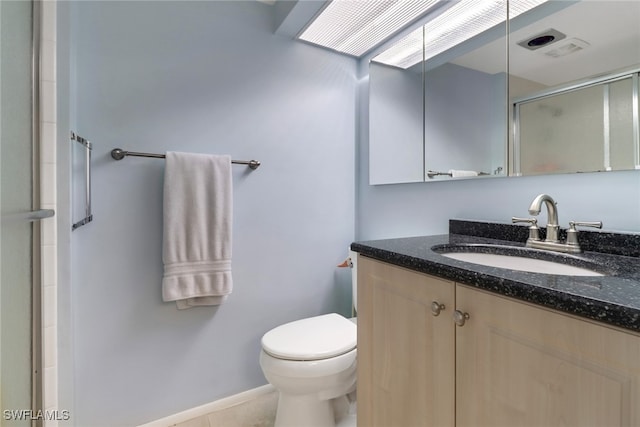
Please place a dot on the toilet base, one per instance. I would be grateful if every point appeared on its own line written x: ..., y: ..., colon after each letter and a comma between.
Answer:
x: 307, y: 411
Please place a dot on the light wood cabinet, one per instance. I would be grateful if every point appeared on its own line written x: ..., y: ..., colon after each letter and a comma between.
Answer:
x: 522, y: 365
x: 405, y: 353
x: 511, y: 364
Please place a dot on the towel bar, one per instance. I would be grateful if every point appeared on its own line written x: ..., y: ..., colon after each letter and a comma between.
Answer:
x: 119, y: 154
x: 431, y: 173
x: 88, y: 216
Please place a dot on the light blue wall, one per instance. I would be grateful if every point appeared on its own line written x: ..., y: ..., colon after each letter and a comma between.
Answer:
x: 465, y: 118
x: 396, y: 124
x: 400, y: 210
x: 205, y: 77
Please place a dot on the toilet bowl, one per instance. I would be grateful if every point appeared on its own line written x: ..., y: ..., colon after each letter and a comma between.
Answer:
x: 312, y: 363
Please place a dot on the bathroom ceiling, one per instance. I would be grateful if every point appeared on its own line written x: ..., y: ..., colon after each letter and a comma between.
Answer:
x: 611, y: 30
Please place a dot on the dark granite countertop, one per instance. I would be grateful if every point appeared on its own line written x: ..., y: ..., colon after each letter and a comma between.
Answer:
x: 612, y: 299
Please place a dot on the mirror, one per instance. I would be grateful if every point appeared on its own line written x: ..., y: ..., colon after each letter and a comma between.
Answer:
x: 396, y: 128
x: 465, y: 112
x: 432, y: 117
x: 472, y: 126
x: 573, y: 87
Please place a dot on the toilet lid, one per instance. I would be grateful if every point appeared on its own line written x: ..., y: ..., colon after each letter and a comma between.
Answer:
x: 315, y: 338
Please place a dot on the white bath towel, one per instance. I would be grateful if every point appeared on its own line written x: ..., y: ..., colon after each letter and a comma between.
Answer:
x: 456, y: 173
x: 196, y: 248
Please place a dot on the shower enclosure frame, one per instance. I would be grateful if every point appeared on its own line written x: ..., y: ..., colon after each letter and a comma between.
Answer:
x: 36, y: 293
x: 633, y: 74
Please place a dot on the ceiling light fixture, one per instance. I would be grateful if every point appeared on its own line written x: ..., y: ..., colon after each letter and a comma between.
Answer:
x: 354, y: 27
x: 462, y: 21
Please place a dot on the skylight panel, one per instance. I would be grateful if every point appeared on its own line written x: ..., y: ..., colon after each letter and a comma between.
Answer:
x: 354, y: 27
x: 462, y: 21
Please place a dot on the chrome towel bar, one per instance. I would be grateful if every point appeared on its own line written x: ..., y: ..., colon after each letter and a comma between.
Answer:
x: 431, y: 173
x: 88, y: 216
x: 119, y: 154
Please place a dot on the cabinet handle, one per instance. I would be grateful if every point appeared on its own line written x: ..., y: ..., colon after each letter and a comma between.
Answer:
x: 460, y: 318
x: 436, y: 308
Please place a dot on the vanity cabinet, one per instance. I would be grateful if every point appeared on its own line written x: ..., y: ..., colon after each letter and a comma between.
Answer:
x: 406, y: 355
x: 510, y: 364
x: 522, y: 365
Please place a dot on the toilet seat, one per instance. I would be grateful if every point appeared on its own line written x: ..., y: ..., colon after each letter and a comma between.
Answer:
x: 314, y: 338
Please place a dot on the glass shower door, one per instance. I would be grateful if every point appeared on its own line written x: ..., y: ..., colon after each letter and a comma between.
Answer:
x: 18, y: 227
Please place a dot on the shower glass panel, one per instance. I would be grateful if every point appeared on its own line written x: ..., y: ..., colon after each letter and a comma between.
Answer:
x: 587, y: 129
x: 621, y: 144
x: 16, y: 233
x: 562, y: 133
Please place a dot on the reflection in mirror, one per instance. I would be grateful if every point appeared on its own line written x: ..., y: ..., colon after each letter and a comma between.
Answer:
x: 584, y: 129
x: 465, y: 104
x: 555, y: 47
x: 457, y: 107
x: 574, y: 87
x: 396, y: 121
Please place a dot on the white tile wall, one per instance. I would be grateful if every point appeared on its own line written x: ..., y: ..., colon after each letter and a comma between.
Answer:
x: 48, y: 199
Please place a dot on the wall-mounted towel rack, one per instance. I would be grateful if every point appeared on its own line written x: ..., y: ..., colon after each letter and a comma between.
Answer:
x: 88, y: 216
x: 119, y: 154
x: 431, y: 174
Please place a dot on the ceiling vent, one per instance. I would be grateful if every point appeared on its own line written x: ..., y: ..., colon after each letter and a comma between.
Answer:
x: 542, y: 39
x: 567, y: 47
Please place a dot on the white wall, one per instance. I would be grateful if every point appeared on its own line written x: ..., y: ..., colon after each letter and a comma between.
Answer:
x: 203, y: 77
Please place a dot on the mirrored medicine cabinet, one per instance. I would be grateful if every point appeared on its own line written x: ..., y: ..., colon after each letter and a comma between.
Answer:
x: 555, y: 89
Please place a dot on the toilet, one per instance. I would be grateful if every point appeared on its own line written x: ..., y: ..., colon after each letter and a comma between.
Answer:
x: 312, y: 363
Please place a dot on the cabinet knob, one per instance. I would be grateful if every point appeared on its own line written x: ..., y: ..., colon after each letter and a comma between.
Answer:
x: 436, y: 308
x: 460, y: 318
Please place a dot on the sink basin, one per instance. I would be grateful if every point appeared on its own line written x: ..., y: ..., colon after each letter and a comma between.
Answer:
x: 519, y: 259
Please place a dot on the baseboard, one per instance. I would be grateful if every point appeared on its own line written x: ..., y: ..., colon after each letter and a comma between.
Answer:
x: 208, y: 408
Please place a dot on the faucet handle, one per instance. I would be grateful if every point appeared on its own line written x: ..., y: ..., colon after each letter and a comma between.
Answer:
x: 572, y: 233
x: 594, y: 224
x: 533, y: 227
x: 533, y: 221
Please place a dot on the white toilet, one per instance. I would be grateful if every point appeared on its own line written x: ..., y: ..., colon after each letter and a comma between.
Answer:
x: 312, y: 363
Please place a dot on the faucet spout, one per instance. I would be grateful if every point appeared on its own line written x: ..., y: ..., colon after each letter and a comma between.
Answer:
x: 552, y: 215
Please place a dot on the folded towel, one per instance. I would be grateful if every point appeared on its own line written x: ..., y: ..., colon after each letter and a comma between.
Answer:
x: 196, y: 248
x: 460, y: 173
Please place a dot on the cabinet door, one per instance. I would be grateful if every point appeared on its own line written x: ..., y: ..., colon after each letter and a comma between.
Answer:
x: 521, y: 365
x: 405, y: 353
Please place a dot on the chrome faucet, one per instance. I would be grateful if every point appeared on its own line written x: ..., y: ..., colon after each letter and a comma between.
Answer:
x: 552, y: 215
x: 552, y: 241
